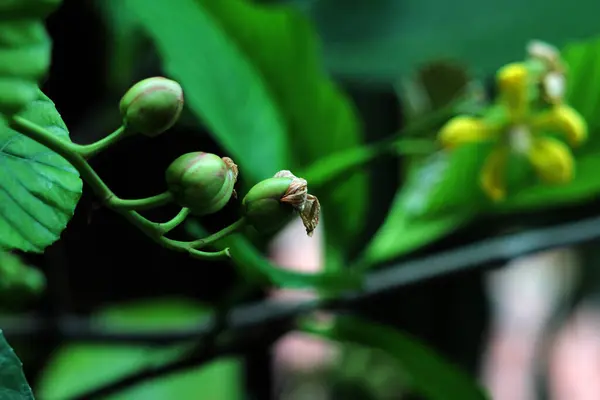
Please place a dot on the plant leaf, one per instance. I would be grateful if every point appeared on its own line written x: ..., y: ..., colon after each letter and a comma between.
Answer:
x: 78, y: 367
x: 253, y: 75
x: 256, y: 268
x: 13, y: 385
x: 440, y: 194
x: 126, y: 44
x: 38, y: 188
x: 378, y: 41
x: 221, y: 85
x: 18, y: 279
x: 428, y: 374
x: 25, y: 51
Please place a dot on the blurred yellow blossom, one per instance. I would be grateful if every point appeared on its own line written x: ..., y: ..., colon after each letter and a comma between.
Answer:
x: 528, y: 109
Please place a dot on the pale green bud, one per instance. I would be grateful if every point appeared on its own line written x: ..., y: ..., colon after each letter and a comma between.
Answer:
x: 203, y: 182
x: 152, y: 106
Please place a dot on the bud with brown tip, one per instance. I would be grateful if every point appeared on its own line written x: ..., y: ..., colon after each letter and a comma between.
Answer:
x: 203, y: 182
x: 270, y: 204
x: 152, y: 106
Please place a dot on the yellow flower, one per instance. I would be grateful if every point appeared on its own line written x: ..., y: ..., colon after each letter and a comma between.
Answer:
x: 516, y: 126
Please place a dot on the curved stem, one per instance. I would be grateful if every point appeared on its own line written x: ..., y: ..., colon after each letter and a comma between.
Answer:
x: 66, y: 150
x: 140, y: 204
x: 90, y: 150
x: 194, y: 245
x: 235, y: 227
x: 168, y: 226
x: 71, y: 154
x: 203, y: 255
x: 124, y: 207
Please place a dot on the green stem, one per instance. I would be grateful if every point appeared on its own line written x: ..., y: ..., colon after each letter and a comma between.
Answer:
x: 124, y: 207
x: 90, y: 150
x: 235, y: 227
x: 327, y: 169
x: 64, y: 149
x: 153, y: 231
x: 72, y: 155
x: 140, y: 204
x: 168, y: 226
x: 199, y: 243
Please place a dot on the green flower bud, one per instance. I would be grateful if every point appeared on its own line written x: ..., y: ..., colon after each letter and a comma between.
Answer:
x: 203, y: 182
x: 272, y: 203
x: 152, y: 106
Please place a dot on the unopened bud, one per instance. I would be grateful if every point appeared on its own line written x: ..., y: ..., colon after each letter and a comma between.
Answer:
x: 152, y: 106
x: 203, y: 182
x: 270, y: 204
x: 544, y: 52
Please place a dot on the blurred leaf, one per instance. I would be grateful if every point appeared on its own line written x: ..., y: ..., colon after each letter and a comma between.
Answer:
x: 400, y: 234
x: 77, y: 367
x: 255, y: 267
x: 40, y: 189
x: 253, y: 74
x: 363, y: 372
x: 377, y: 41
x: 25, y: 51
x: 440, y: 194
x: 427, y: 373
x: 125, y: 43
x: 433, y: 87
x: 17, y: 278
x: 13, y: 385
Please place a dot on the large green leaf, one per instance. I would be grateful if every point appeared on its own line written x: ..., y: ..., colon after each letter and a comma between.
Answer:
x: 376, y: 41
x: 13, y: 385
x: 427, y: 373
x: 222, y: 86
x: 25, y: 50
x: 38, y: 188
x: 252, y: 73
x: 77, y: 367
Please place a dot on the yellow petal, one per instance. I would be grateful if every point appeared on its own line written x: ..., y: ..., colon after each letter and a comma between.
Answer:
x: 562, y: 119
x: 462, y: 129
x: 493, y: 172
x: 512, y: 81
x: 552, y: 160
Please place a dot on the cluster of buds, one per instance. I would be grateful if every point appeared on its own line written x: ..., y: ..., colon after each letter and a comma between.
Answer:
x: 204, y: 182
